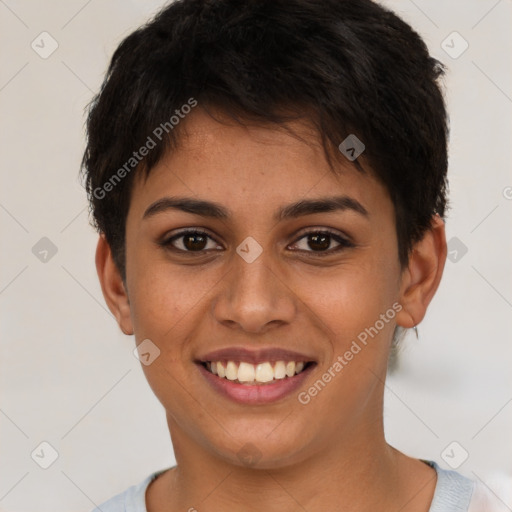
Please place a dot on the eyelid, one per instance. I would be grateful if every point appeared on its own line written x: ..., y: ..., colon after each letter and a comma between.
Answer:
x: 343, y: 240
x: 186, y: 231
x: 320, y: 229
x: 166, y: 240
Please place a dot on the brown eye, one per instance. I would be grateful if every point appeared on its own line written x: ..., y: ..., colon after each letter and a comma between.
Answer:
x: 194, y: 242
x: 190, y: 241
x: 320, y: 242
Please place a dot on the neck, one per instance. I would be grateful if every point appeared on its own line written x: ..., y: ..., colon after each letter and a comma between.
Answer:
x: 359, y: 471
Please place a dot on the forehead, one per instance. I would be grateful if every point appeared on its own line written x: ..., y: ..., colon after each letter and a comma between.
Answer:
x: 252, y: 167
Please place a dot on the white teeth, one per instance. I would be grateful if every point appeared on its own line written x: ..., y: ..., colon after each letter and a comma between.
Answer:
x: 279, y: 370
x: 290, y: 369
x: 264, y: 372
x: 231, y: 371
x: 244, y: 372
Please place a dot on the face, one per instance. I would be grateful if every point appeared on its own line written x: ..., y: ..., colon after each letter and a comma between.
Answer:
x: 259, y: 286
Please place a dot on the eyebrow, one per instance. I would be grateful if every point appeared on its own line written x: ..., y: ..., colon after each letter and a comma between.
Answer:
x: 293, y: 210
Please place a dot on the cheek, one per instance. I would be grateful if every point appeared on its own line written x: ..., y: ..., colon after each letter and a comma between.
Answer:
x: 357, y: 307
x: 351, y: 298
x: 165, y: 296
x: 354, y: 305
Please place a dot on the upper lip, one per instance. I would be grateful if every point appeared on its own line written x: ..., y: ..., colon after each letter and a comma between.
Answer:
x: 254, y: 356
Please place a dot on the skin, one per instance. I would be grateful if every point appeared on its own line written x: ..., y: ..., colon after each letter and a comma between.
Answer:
x: 320, y: 456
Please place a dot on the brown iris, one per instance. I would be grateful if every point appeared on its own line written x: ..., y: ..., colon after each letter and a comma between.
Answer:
x: 319, y: 241
x: 191, y: 242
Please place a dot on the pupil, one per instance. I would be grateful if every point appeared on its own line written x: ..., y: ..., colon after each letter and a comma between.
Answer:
x: 189, y: 244
x: 322, y: 241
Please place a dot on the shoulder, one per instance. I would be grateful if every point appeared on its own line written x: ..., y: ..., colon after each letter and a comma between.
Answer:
x: 453, y: 491
x: 457, y: 493
x: 132, y: 499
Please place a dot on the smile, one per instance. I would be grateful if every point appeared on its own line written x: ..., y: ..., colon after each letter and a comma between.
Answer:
x: 263, y: 373
x: 255, y: 376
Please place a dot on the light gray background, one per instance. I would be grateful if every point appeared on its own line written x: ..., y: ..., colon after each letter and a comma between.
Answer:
x: 68, y: 375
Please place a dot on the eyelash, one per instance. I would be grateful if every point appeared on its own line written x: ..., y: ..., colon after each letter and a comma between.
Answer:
x: 343, y: 242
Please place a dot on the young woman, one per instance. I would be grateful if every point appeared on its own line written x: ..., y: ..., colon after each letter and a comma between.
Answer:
x: 268, y: 179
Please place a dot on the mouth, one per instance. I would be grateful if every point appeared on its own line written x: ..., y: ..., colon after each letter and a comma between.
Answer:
x: 255, y: 377
x: 261, y: 374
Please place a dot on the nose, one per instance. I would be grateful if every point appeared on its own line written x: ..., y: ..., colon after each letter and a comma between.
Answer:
x: 254, y: 297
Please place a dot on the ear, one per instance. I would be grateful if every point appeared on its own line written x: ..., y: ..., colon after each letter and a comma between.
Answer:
x: 112, y: 286
x: 422, y: 276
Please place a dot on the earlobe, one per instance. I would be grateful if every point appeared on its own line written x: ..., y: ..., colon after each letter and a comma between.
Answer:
x: 422, y: 276
x: 112, y: 286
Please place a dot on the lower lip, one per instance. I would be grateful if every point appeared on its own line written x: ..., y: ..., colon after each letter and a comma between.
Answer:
x: 256, y: 394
